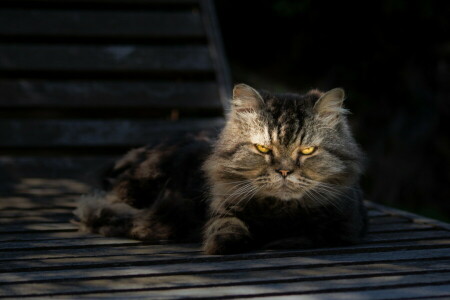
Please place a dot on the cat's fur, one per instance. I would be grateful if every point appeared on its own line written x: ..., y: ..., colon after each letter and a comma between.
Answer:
x: 233, y: 194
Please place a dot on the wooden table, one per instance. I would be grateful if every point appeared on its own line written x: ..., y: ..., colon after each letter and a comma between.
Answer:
x: 41, y: 254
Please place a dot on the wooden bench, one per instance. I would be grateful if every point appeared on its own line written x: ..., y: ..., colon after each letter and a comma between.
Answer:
x: 82, y: 81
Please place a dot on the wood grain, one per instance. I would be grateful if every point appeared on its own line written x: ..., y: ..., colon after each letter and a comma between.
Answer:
x: 21, y: 133
x: 138, y: 24
x: 113, y: 58
x: 101, y: 94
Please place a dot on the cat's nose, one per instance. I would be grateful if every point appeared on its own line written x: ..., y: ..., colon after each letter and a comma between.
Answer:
x: 284, y: 173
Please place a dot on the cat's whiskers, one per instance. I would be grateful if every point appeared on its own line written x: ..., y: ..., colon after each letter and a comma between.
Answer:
x: 239, y: 190
x: 323, y: 197
x: 235, y: 187
x: 244, y: 189
x: 324, y: 194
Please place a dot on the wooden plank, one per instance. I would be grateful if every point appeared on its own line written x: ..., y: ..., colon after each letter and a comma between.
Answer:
x: 29, y: 201
x: 128, y: 133
x: 66, y: 243
x: 46, y: 236
x: 192, y: 248
x: 223, y: 279
x: 27, y: 93
x: 85, y: 170
x: 401, y: 213
x: 49, y: 218
x: 279, y: 289
x: 292, y: 285
x: 58, y: 3
x: 43, y: 227
x: 113, y: 58
x: 383, y: 293
x: 389, y: 220
x: 138, y: 24
x: 106, y: 251
x: 46, y: 212
x: 377, y: 228
x: 208, y: 265
x: 138, y: 255
x: 376, y: 214
x: 405, y: 236
x: 179, y: 263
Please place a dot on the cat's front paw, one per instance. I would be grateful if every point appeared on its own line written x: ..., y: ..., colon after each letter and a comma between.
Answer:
x: 226, y: 235
x: 227, y: 243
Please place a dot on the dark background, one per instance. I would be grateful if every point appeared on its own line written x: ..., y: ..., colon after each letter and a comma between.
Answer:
x: 391, y: 57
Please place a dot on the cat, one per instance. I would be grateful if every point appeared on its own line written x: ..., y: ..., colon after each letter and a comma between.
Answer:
x: 282, y: 173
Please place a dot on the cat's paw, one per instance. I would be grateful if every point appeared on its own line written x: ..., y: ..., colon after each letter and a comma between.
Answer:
x: 227, y: 243
x: 150, y: 231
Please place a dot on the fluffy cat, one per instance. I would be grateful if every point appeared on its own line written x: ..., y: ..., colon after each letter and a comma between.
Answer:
x: 283, y: 173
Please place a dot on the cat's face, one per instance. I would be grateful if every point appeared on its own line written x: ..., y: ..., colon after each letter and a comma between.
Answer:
x: 286, y: 146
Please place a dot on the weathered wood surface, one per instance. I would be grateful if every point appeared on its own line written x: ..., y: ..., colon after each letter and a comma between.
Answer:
x: 113, y: 3
x: 84, y: 81
x: 111, y: 58
x: 44, y: 258
x: 106, y: 24
x: 20, y: 133
x: 69, y: 94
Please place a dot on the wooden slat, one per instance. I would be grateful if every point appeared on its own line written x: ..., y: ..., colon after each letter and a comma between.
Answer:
x: 97, y: 23
x: 406, y: 236
x: 106, y: 251
x: 389, y: 220
x: 52, y: 218
x: 114, y: 58
x: 138, y: 256
x: 59, y: 3
x: 46, y: 212
x: 278, y: 289
x: 22, y: 133
x: 28, y: 201
x: 47, y: 236
x: 411, y: 216
x: 26, y: 93
x: 225, y: 279
x: 102, y: 253
x: 398, y: 227
x: 376, y: 214
x: 82, y: 169
x: 68, y: 243
x: 401, y: 293
x: 44, y: 227
x: 205, y: 265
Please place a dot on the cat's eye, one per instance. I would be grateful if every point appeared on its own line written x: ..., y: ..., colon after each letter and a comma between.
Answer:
x: 308, y: 150
x: 262, y: 149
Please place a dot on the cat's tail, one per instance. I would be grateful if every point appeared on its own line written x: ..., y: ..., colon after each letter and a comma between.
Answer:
x: 97, y: 213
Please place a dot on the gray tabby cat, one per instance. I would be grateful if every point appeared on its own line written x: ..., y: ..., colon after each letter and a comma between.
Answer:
x: 282, y: 174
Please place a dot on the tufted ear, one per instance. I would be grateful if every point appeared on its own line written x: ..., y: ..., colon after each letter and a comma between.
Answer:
x: 330, y: 107
x: 246, y: 98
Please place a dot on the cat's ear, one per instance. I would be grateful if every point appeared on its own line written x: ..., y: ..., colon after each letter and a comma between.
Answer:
x: 246, y: 98
x: 330, y: 107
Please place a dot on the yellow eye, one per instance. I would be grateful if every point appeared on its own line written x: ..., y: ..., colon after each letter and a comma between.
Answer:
x: 262, y: 149
x: 308, y: 150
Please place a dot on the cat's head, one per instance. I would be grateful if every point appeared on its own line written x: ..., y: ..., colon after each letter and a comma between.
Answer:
x: 284, y: 145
